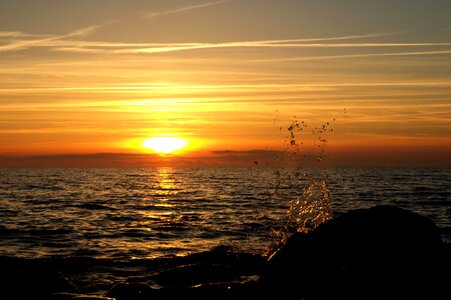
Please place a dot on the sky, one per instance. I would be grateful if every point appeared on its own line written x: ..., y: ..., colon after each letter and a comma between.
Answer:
x: 85, y: 83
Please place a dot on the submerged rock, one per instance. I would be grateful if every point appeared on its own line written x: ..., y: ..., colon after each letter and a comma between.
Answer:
x: 30, y: 279
x: 70, y: 296
x: 190, y: 275
x: 383, y: 252
x: 131, y: 291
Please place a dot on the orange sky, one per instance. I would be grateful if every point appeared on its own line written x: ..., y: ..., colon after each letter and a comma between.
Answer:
x: 98, y: 77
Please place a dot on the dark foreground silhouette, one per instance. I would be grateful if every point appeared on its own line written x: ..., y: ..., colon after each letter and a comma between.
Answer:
x: 379, y: 253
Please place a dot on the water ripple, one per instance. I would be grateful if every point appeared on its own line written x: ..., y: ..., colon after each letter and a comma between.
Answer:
x: 118, y: 213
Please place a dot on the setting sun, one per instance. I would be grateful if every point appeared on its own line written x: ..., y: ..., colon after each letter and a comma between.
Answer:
x: 165, y: 145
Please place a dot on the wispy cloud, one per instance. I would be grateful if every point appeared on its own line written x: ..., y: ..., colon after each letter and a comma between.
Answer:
x: 43, y: 42
x: 70, y: 43
x: 18, y: 34
x: 197, y: 88
x: 65, y: 43
x: 331, y: 57
x: 82, y: 46
x: 335, y: 38
x: 156, y: 14
x: 279, y: 44
x: 81, y: 32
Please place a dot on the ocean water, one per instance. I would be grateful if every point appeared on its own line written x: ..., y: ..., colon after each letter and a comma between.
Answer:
x: 123, y: 214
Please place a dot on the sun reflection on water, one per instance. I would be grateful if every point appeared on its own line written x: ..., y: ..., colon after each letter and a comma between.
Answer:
x: 165, y: 179
x: 164, y: 187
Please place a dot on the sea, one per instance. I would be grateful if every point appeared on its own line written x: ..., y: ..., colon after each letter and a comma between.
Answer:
x: 153, y: 212
x: 123, y: 215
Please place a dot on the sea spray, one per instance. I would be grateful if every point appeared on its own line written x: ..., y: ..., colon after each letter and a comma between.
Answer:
x: 312, y: 206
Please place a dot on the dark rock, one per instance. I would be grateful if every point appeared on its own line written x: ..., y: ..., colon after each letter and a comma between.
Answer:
x: 62, y: 296
x: 22, y: 279
x: 379, y: 253
x: 70, y: 296
x: 189, y: 275
x: 245, y: 263
x: 216, y: 291
x: 190, y: 293
x: 131, y: 291
x: 92, y: 297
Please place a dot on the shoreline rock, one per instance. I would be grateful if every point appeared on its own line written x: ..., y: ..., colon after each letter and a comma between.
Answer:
x: 382, y: 252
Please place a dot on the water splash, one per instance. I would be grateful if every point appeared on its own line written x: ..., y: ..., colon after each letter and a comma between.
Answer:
x: 312, y: 206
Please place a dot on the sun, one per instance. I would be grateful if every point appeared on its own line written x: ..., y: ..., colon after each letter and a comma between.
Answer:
x: 165, y: 145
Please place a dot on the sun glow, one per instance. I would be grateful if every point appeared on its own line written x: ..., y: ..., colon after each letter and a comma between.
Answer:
x: 165, y: 145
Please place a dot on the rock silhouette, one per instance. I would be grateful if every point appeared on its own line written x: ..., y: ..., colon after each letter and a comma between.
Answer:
x: 384, y: 252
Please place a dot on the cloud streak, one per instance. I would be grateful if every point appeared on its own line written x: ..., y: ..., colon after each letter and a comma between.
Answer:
x: 279, y: 44
x: 70, y: 42
x: 307, y: 86
x: 43, y: 42
x: 62, y: 43
x: 18, y: 34
x: 156, y: 14
x: 67, y: 43
x: 363, y: 55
